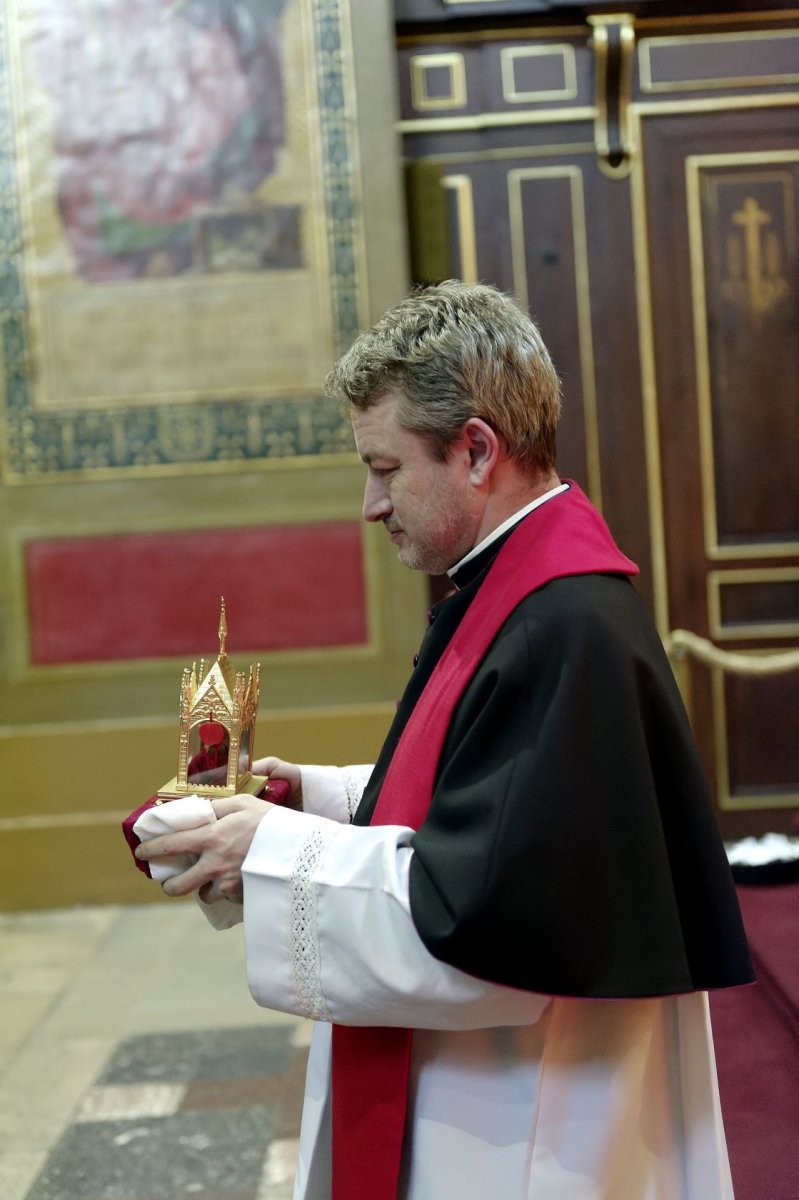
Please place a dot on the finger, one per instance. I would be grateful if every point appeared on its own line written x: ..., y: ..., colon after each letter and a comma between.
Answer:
x: 225, y: 806
x: 206, y: 893
x: 153, y: 848
x: 191, y: 841
x: 174, y: 887
x: 188, y: 881
x: 265, y: 766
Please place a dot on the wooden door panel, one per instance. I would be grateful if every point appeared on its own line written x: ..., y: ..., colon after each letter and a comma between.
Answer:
x: 761, y: 738
x: 721, y: 211
x: 551, y: 228
x: 746, y: 214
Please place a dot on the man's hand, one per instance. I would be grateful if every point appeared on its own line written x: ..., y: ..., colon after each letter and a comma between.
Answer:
x: 221, y: 849
x: 277, y: 768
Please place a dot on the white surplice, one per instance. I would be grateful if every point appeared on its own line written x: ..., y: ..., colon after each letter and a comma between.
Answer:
x: 512, y: 1095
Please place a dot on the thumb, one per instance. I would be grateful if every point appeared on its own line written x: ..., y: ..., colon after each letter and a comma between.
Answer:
x: 266, y: 766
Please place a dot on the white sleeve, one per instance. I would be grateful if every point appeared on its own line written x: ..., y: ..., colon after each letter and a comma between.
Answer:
x: 329, y: 933
x: 334, y: 792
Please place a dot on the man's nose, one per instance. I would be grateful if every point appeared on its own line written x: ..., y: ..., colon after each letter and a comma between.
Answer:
x: 376, y: 502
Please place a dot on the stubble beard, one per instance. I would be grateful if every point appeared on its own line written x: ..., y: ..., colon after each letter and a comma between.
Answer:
x: 420, y: 558
x: 442, y: 548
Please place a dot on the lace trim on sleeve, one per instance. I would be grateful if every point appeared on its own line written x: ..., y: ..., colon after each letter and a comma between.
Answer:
x: 303, y: 936
x: 355, y: 781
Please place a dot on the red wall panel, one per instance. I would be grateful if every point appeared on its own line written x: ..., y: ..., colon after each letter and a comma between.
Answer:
x: 100, y: 599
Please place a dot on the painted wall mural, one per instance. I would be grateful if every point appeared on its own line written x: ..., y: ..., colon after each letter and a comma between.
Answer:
x: 177, y: 180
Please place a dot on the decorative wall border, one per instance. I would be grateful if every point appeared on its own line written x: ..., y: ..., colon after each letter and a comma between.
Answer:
x: 99, y: 672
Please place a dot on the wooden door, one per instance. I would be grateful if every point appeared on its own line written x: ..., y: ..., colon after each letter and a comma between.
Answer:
x: 635, y: 184
x: 720, y: 188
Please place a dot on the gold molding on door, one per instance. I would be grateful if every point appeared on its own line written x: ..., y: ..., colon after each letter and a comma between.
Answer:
x: 727, y: 18
x: 726, y: 801
x: 716, y: 580
x: 646, y: 45
x: 681, y: 644
x: 475, y: 156
x: 420, y: 64
x: 462, y: 37
x: 461, y: 185
x: 642, y: 22
x: 496, y: 120
x: 651, y: 108
x: 649, y: 392
x: 508, y: 57
x: 693, y: 167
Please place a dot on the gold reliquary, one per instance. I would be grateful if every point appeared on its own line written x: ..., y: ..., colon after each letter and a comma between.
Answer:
x: 218, y: 709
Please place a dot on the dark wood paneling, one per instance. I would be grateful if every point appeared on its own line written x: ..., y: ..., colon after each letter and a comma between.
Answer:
x: 499, y: 76
x: 728, y: 437
x: 769, y: 603
x: 748, y: 218
x: 686, y: 365
x: 489, y: 10
x: 761, y: 724
x: 440, y: 80
x: 565, y: 204
x: 692, y: 62
x: 547, y: 242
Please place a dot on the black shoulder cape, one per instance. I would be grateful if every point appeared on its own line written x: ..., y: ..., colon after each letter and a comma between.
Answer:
x: 570, y: 847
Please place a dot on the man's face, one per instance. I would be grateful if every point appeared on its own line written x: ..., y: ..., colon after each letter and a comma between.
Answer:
x: 429, y: 508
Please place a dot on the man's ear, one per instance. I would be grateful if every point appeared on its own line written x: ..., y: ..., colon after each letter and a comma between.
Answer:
x: 484, y: 449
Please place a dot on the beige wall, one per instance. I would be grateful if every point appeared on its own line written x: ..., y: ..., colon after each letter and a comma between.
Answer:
x: 81, y: 743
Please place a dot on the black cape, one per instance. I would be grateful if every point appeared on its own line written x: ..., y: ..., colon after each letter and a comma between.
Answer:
x: 570, y: 847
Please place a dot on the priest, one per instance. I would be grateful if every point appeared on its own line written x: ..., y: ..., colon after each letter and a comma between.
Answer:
x: 505, y: 932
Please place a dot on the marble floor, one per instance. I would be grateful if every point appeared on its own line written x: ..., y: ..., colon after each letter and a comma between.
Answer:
x: 134, y: 1064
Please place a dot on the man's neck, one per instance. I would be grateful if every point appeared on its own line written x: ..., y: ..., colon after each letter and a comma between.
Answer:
x: 532, y: 500
x: 510, y: 490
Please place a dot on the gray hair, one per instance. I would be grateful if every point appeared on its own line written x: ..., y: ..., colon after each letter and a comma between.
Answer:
x: 454, y: 351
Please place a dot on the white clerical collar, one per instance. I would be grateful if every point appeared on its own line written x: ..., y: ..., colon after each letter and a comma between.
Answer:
x: 511, y: 521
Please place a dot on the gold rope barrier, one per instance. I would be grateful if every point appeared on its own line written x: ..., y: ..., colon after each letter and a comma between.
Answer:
x: 681, y: 642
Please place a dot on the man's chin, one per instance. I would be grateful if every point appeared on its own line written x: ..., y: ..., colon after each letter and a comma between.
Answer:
x: 409, y: 557
x: 415, y: 559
